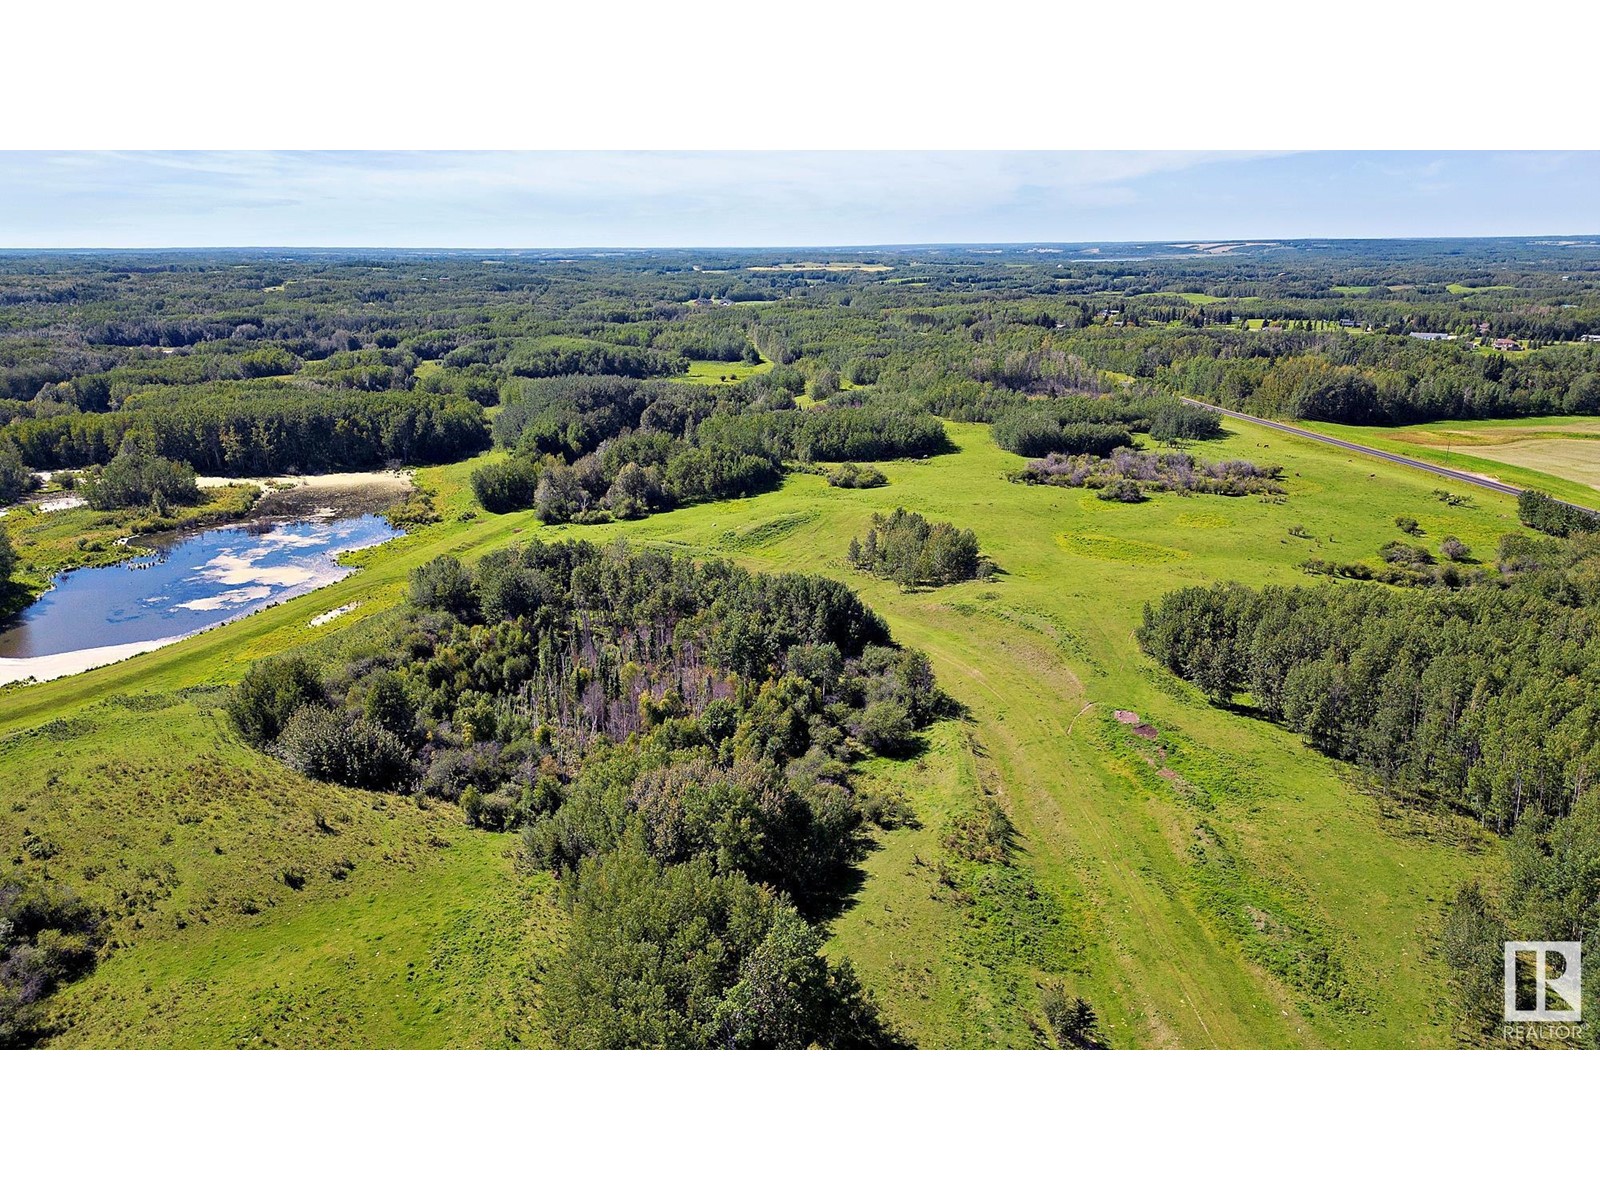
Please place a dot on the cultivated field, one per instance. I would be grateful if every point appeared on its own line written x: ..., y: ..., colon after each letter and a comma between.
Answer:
x: 1559, y: 455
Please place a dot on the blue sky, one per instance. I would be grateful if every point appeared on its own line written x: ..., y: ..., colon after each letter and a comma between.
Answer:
x: 656, y: 198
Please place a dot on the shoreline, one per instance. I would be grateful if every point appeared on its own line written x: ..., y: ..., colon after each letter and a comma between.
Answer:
x: 46, y: 667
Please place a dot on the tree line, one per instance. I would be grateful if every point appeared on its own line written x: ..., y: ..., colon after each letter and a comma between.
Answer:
x: 1482, y: 699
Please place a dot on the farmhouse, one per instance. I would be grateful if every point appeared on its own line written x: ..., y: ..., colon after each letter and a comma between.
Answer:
x: 1507, y: 344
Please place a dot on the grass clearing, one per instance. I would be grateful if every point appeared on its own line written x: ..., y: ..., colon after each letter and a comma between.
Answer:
x: 705, y: 371
x: 1103, y: 890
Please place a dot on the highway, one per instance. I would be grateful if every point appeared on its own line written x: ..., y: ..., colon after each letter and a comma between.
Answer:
x: 1494, y: 485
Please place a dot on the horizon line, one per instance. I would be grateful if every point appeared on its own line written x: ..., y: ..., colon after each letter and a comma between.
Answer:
x: 621, y: 248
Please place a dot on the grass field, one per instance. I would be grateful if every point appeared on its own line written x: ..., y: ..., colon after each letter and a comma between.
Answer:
x: 707, y: 371
x: 1558, y: 455
x: 1215, y: 884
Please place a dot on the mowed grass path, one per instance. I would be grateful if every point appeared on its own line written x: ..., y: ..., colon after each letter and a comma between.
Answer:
x: 1219, y: 884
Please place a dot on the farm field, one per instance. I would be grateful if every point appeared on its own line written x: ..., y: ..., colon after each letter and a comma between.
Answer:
x: 1204, y: 880
x: 1558, y: 455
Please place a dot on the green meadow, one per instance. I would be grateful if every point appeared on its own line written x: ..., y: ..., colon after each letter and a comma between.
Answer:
x: 1198, y: 875
x: 704, y: 371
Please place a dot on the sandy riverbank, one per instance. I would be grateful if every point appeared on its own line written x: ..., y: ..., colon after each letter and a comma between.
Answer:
x: 341, y: 493
x: 71, y: 662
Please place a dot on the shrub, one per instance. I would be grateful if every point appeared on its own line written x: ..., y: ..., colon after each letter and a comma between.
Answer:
x: 854, y: 475
x: 331, y: 746
x: 1157, y: 472
x: 1408, y: 525
x: 48, y: 937
x: 269, y: 695
x: 1121, y: 491
x: 1405, y: 554
x: 1455, y: 549
x: 496, y: 812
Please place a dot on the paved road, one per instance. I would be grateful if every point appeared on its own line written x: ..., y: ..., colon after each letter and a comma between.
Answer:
x: 1494, y: 485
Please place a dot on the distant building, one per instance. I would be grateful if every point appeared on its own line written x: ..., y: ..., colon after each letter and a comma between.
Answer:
x: 1506, y: 344
x: 1434, y: 337
x: 1347, y: 323
x: 1590, y: 337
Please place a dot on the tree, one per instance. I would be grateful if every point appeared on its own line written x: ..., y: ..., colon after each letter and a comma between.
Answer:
x: 15, y: 478
x: 139, y: 476
x: 506, y: 486
x: 445, y: 585
x: 8, y: 558
x: 559, y: 496
x: 680, y: 957
x: 636, y: 491
x: 1072, y: 1020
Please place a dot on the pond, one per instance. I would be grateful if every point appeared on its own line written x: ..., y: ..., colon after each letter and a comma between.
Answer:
x: 185, y: 584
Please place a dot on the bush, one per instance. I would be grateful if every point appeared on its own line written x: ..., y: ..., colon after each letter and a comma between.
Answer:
x: 1121, y: 491
x: 1408, y: 525
x: 506, y: 486
x: 331, y: 746
x: 1405, y: 554
x: 1455, y: 549
x: 269, y: 695
x: 854, y: 475
x: 48, y: 937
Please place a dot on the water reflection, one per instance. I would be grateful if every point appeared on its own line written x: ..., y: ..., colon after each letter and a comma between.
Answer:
x: 188, y: 583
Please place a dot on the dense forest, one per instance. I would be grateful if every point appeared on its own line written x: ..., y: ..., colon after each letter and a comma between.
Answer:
x: 321, y: 361
x: 676, y: 739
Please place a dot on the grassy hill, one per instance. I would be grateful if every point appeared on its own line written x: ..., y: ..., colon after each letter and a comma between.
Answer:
x: 1199, y: 876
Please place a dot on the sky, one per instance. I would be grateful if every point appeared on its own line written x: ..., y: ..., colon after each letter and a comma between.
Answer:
x: 703, y: 198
